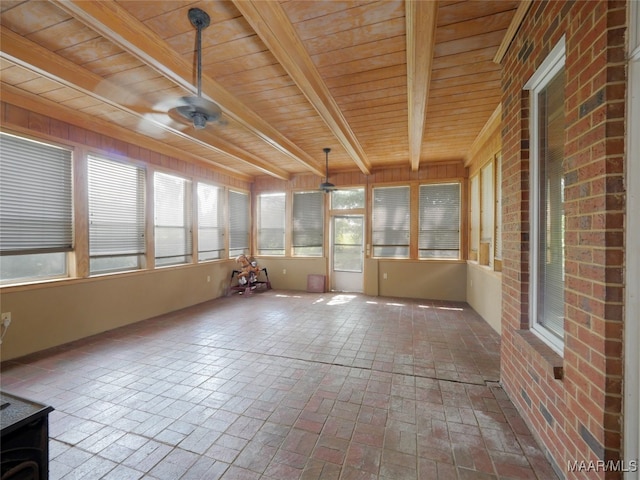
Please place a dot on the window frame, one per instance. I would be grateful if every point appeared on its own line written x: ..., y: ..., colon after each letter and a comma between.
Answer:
x: 321, y: 252
x: 550, y: 67
x: 236, y: 250
x: 62, y: 255
x: 458, y: 184
x: 188, y: 217
x: 142, y: 171
x: 272, y: 251
x: 408, y: 212
x: 220, y: 220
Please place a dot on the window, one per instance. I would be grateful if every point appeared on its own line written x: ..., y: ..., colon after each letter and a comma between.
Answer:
x: 486, y: 214
x: 271, y: 223
x: 498, y: 221
x: 474, y: 233
x: 210, y: 222
x: 439, y: 234
x: 36, y: 209
x: 391, y: 222
x: 238, y: 223
x: 116, y: 216
x: 347, y: 199
x: 308, y: 223
x: 172, y: 200
x: 547, y: 199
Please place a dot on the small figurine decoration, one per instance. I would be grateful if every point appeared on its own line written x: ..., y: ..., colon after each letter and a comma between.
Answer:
x: 248, y: 270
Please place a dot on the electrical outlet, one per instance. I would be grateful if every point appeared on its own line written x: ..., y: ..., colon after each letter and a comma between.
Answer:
x: 284, y: 271
x: 6, y: 319
x: 208, y: 278
x: 384, y: 275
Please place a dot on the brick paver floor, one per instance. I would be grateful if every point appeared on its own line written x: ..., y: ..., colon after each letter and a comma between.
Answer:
x: 284, y: 385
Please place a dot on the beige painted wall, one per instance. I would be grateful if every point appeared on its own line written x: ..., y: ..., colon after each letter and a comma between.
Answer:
x: 406, y: 279
x: 52, y: 314
x: 428, y: 280
x: 296, y: 269
x: 484, y: 293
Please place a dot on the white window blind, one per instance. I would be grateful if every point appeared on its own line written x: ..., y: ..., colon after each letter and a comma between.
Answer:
x: 238, y: 223
x: 439, y: 226
x: 271, y: 223
x: 308, y: 223
x: 36, y: 204
x: 172, y: 200
x: 116, y: 215
x: 36, y: 209
x: 210, y: 222
x: 498, y: 220
x: 391, y: 223
x: 474, y: 235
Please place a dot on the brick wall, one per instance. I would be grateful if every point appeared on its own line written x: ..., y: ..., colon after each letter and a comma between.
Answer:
x: 578, y: 417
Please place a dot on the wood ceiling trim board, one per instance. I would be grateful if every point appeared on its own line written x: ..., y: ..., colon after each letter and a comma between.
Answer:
x: 358, y: 14
x: 363, y: 51
x: 116, y: 24
x: 276, y: 31
x: 482, y: 55
x: 361, y: 78
x: 42, y: 106
x: 476, y: 26
x: 463, y: 71
x: 421, y: 20
x: 491, y: 126
x: 376, y: 33
x: 468, y: 10
x: 364, y: 65
x: 469, y: 44
x: 468, y: 81
x: 43, y: 62
x: 518, y: 17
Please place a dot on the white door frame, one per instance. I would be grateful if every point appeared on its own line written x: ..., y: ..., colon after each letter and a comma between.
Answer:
x: 631, y: 413
x: 346, y: 281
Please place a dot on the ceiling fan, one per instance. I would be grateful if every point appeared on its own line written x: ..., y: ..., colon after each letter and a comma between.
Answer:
x: 197, y: 110
x: 327, y: 186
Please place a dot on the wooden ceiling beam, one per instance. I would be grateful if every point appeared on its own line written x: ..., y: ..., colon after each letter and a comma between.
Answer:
x: 118, y: 26
x: 421, y: 19
x: 274, y: 28
x: 41, y: 61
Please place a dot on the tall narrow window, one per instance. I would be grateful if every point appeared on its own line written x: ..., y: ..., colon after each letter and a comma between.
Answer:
x: 308, y: 223
x: 547, y: 194
x: 474, y: 233
x: 210, y: 222
x: 271, y: 223
x: 439, y: 235
x: 498, y: 235
x: 36, y: 209
x: 238, y: 223
x: 172, y: 219
x: 116, y: 216
x: 487, y: 213
x: 391, y: 223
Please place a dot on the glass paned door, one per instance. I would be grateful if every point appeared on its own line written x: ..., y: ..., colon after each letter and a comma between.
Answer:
x: 347, y: 241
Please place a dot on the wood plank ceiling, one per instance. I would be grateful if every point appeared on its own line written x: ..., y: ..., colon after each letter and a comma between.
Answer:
x: 388, y: 83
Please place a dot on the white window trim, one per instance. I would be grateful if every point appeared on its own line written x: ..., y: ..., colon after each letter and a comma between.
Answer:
x: 554, y: 62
